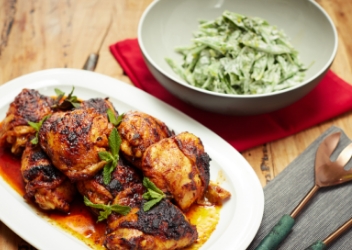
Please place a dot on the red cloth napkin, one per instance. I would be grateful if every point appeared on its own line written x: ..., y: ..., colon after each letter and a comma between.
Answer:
x: 330, y: 98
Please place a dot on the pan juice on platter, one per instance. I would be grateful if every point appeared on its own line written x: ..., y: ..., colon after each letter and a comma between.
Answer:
x: 81, y: 223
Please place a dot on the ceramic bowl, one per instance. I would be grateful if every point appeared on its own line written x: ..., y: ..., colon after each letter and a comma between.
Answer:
x: 167, y: 24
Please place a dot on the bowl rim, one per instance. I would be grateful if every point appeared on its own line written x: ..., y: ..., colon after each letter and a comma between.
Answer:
x: 242, y: 96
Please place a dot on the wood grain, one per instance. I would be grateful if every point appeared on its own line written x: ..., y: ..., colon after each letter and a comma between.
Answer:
x: 43, y: 34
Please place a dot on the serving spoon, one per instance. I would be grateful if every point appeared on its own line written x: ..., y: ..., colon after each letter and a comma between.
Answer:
x: 327, y: 173
x: 323, y: 244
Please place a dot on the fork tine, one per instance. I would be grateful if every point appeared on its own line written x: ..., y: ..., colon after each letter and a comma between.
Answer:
x: 326, y: 148
x: 345, y: 156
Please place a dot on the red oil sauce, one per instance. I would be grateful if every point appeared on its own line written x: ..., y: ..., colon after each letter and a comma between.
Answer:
x: 10, y: 170
x: 80, y: 222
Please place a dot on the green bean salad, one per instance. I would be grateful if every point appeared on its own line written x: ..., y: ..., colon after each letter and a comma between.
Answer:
x: 236, y: 54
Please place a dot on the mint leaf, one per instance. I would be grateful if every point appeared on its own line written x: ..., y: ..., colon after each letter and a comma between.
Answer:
x: 112, y: 117
x: 153, y: 196
x: 69, y: 102
x: 151, y: 203
x: 119, y: 119
x: 37, y: 126
x: 105, y: 156
x: 108, y: 169
x: 114, y: 142
x: 107, y: 209
x: 59, y: 92
x: 35, y: 140
x: 71, y: 93
x: 150, y: 185
x: 112, y: 157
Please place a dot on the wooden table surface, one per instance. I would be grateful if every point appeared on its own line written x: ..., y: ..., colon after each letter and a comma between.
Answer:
x: 43, y: 34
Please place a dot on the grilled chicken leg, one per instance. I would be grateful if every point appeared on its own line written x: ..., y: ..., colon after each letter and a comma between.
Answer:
x: 138, y: 131
x: 162, y: 227
x: 179, y: 166
x: 48, y: 186
x: 29, y: 105
x: 81, y: 134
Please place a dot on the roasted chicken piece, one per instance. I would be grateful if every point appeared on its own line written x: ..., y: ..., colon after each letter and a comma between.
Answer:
x: 73, y: 139
x: 125, y: 184
x: 29, y: 105
x: 100, y: 105
x: 162, y: 227
x: 49, y: 188
x: 138, y: 131
x: 179, y: 166
x: 215, y: 194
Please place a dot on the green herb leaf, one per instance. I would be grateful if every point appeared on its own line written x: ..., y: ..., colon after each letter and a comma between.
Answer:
x: 107, y: 209
x: 35, y: 140
x: 105, y: 156
x: 150, y: 185
x: 59, y: 92
x: 112, y: 157
x: 112, y: 117
x: 71, y: 93
x: 119, y: 119
x: 153, y: 196
x: 114, y: 142
x: 69, y: 102
x: 108, y: 169
x: 149, y: 204
x: 36, y: 126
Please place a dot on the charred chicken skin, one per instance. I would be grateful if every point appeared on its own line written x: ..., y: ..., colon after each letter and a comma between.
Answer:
x: 49, y: 188
x: 179, y: 166
x: 29, y: 105
x: 100, y: 105
x: 125, y: 184
x: 138, y: 131
x: 162, y: 227
x: 72, y: 140
x: 67, y: 159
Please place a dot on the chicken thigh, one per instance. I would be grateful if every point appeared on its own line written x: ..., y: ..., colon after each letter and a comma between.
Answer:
x: 49, y: 188
x: 73, y: 139
x: 29, y: 105
x: 138, y: 131
x: 162, y: 227
x: 179, y: 166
